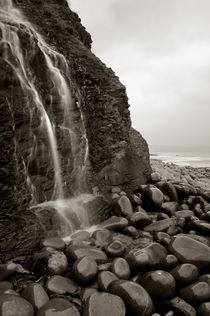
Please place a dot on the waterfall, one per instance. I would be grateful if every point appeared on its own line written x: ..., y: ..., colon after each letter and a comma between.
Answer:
x: 12, y: 21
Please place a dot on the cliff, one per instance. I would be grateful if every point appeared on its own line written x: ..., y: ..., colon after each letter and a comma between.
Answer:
x: 64, y: 115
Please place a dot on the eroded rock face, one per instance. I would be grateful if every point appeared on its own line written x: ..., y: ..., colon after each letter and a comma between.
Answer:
x: 117, y: 155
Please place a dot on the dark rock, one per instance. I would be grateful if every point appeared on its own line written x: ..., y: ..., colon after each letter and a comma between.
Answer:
x: 7, y: 270
x: 36, y: 295
x: 58, y: 306
x: 196, y: 292
x: 13, y: 305
x: 103, y: 304
x: 121, y: 268
x: 140, y: 219
x: 105, y: 278
x: 115, y: 223
x: 192, y: 251
x: 152, y: 198
x: 74, y: 253
x: 58, y: 284
x: 205, y: 278
x: 5, y: 285
x: 131, y: 231
x: 115, y: 248
x: 204, y: 309
x: 168, y: 189
x: 85, y: 269
x: 137, y: 301
x: 123, y: 207
x: 159, y: 284
x: 185, y: 273
x: 170, y: 262
x: 181, y: 306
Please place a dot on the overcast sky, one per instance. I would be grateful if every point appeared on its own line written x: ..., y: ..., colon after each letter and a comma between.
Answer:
x: 160, y: 49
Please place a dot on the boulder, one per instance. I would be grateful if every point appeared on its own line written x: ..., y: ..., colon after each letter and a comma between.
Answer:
x: 185, y: 273
x: 121, y: 268
x: 58, y: 284
x: 197, y: 292
x: 123, y: 207
x: 152, y: 198
x: 13, y: 305
x: 85, y: 269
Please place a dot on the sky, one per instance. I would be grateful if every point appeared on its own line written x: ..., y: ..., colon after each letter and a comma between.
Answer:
x: 160, y: 49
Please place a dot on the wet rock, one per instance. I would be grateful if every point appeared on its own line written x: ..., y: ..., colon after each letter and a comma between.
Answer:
x: 140, y: 219
x: 150, y: 256
x: 181, y: 306
x: 102, y: 237
x: 159, y: 284
x: 104, y: 304
x: 123, y: 207
x: 5, y: 285
x: 36, y: 295
x: 131, y: 231
x: 81, y: 235
x: 105, y: 278
x: 7, y: 270
x: 58, y: 306
x: 115, y: 223
x: 192, y: 251
x: 13, y: 305
x: 115, y: 248
x: 74, y: 253
x: 85, y: 269
x: 170, y: 208
x: 170, y: 262
x: 155, y: 177
x: 137, y: 301
x: 152, y: 198
x: 197, y: 292
x: 56, y: 243
x: 121, y: 268
x: 58, y: 284
x: 169, y: 189
x: 204, y: 309
x: 185, y: 273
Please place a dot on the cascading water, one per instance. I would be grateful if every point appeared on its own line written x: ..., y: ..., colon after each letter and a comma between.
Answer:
x: 12, y: 23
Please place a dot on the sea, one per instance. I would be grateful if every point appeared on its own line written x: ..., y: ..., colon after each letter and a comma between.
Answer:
x: 197, y: 157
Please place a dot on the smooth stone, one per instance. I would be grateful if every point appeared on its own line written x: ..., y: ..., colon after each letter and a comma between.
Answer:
x: 82, y: 235
x: 115, y: 223
x: 205, y: 278
x: 160, y: 226
x: 159, y: 284
x: 105, y: 278
x: 7, y: 270
x: 13, y: 305
x: 102, y: 237
x: 116, y: 190
x: 5, y: 285
x: 58, y: 306
x: 197, y: 292
x: 54, y: 242
x: 87, y: 292
x: 161, y: 216
x: 131, y: 231
x: 163, y: 238
x: 152, y: 198
x: 137, y: 301
x: 184, y: 214
x: 170, y: 208
x: 121, y: 268
x: 170, y: 262
x: 104, y: 304
x: 169, y: 189
x: 74, y: 253
x: 155, y: 177
x: 185, y: 273
x: 123, y: 207
x: 150, y: 256
x: 188, y: 250
x: 140, y: 219
x: 85, y: 269
x: 136, y: 199
x: 202, y: 239
x: 115, y: 196
x: 199, y: 225
x: 204, y: 309
x: 104, y: 266
x: 115, y: 248
x: 58, y: 284
x: 179, y: 304
x: 36, y: 295
x: 184, y: 206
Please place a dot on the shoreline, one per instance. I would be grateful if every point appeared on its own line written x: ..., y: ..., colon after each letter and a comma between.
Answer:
x: 198, y: 177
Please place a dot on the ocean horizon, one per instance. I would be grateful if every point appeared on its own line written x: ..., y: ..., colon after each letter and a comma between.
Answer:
x: 197, y: 157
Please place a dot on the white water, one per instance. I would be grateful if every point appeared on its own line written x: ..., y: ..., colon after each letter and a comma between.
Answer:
x: 57, y: 67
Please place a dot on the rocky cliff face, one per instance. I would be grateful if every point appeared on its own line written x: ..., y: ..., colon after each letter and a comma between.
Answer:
x: 65, y: 123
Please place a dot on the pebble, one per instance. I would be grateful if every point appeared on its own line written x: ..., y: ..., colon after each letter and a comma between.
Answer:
x: 105, y: 278
x: 185, y: 273
x: 104, y: 304
x: 170, y: 262
x: 115, y: 248
x: 159, y: 284
x: 184, y: 214
x: 36, y: 295
x: 137, y: 301
x: 115, y: 223
x: 58, y: 306
x: 13, y: 305
x: 197, y: 292
x: 54, y: 242
x: 188, y: 250
x: 58, y: 284
x: 85, y: 269
x: 74, y: 253
x: 181, y: 306
x: 123, y: 207
x: 121, y: 268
